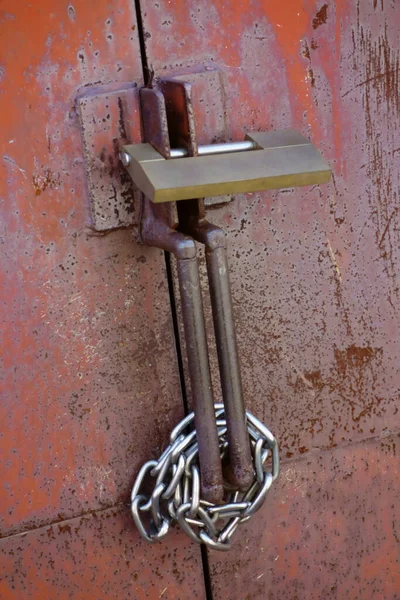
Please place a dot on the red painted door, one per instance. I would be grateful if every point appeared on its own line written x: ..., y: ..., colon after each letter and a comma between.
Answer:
x: 90, y: 384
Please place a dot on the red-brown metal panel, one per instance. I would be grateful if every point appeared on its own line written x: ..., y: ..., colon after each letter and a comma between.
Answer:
x: 315, y: 283
x: 330, y: 530
x: 89, y: 385
x: 97, y: 556
x: 314, y: 271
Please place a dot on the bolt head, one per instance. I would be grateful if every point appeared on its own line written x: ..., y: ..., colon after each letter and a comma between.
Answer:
x: 125, y: 159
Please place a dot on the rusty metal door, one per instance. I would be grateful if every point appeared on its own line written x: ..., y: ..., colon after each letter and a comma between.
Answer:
x: 89, y: 343
x: 89, y: 384
x: 315, y: 281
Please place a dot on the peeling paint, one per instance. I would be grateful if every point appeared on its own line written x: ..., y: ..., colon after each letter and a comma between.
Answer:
x: 320, y: 17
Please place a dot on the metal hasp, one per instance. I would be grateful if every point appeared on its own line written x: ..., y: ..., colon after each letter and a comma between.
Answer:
x: 273, y: 160
x: 262, y: 161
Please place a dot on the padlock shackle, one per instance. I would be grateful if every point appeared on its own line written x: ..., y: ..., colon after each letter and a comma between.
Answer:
x: 208, y: 149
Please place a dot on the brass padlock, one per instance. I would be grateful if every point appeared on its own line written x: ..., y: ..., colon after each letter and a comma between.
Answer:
x: 264, y: 161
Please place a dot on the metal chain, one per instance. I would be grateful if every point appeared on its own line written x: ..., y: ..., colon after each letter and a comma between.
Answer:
x: 176, y: 490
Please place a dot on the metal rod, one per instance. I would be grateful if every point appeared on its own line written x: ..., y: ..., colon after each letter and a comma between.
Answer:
x: 200, y: 379
x: 240, y: 470
x: 221, y: 300
x: 156, y: 230
x: 216, y: 149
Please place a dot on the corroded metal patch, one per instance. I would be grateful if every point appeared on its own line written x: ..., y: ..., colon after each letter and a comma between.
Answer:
x: 105, y: 118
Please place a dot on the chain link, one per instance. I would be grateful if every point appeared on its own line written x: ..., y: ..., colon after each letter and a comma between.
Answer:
x: 176, y: 487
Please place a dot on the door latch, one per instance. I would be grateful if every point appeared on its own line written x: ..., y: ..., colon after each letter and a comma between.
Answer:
x: 216, y: 475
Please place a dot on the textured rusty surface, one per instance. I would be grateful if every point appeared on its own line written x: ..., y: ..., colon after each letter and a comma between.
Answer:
x: 89, y: 388
x: 97, y: 556
x: 76, y: 399
x: 107, y: 115
x: 315, y: 290
x: 314, y: 272
x: 330, y: 529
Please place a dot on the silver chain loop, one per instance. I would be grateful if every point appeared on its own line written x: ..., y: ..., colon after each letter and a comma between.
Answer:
x: 176, y: 490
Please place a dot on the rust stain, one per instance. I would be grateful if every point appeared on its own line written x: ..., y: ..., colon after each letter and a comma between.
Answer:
x: 310, y: 73
x: 376, y: 4
x: 306, y: 51
x: 351, y: 376
x: 315, y: 378
x: 46, y: 180
x: 321, y: 17
x: 355, y: 357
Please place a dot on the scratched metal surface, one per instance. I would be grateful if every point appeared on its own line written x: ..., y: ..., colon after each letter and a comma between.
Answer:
x: 314, y: 271
x: 105, y: 116
x: 97, y: 556
x: 88, y: 384
x: 331, y: 530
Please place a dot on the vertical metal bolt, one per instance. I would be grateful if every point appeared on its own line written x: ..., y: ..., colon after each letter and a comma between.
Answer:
x: 125, y: 159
